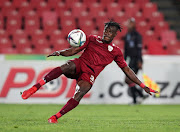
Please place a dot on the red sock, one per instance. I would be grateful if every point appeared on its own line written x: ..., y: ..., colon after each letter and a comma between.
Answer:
x: 71, y: 104
x: 53, y: 74
x: 40, y: 83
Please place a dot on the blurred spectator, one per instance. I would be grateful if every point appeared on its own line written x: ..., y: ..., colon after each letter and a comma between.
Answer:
x: 133, y: 55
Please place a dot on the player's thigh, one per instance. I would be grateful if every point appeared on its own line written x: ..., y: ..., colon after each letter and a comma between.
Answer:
x: 68, y: 68
x: 82, y: 88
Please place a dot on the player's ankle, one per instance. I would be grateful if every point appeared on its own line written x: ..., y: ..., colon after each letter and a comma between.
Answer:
x: 39, y: 84
x: 58, y: 115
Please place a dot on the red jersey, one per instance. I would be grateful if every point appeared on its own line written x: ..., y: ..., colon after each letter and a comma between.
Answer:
x: 98, y: 55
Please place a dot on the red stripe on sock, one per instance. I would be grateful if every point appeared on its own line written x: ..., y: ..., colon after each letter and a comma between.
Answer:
x: 41, y: 82
x: 58, y: 115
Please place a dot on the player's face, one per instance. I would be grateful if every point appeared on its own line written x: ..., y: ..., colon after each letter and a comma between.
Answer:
x: 109, y: 33
x: 131, y: 25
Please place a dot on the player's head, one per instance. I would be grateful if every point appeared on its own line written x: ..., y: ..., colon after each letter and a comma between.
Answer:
x: 131, y: 24
x: 110, y: 31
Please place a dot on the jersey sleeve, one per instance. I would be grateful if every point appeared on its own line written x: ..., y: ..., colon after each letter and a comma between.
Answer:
x: 88, y: 39
x: 119, y: 59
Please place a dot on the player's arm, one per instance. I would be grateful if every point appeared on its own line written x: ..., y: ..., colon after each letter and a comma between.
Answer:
x: 71, y: 51
x: 132, y: 76
x: 67, y: 52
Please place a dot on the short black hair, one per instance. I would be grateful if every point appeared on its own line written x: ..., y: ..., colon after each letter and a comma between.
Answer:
x: 113, y: 23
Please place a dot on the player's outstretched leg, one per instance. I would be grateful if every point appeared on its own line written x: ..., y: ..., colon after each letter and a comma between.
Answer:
x: 68, y: 68
x: 81, y: 89
x: 55, y: 73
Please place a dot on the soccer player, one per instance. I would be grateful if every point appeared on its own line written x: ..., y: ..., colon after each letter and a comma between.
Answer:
x: 133, y: 54
x: 98, y: 53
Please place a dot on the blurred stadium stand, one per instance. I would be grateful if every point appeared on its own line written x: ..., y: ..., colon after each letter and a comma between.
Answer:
x: 41, y: 26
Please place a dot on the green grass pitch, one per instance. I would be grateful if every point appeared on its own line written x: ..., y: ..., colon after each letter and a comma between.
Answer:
x: 91, y: 118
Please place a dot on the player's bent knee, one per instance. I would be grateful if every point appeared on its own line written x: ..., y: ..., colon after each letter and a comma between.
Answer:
x: 81, y: 89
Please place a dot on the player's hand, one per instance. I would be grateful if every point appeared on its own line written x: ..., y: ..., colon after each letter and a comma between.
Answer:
x: 56, y: 53
x: 149, y: 90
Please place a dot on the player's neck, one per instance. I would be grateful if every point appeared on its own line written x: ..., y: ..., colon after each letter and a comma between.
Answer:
x: 105, y: 42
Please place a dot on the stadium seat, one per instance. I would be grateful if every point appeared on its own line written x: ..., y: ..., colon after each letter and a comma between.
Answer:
x: 141, y: 2
x: 119, y: 43
x: 100, y: 23
x: 30, y: 14
x: 3, y: 33
x: 66, y: 14
x: 26, y: 50
x: 139, y: 17
x: 1, y: 22
x: 106, y: 3
x: 56, y: 34
x: 159, y: 27
x: 2, y: 3
x: 68, y: 25
x: 59, y: 6
x: 58, y: 39
x: 148, y: 36
x: 6, y: 5
x: 156, y: 48
x: 31, y: 24
x: 5, y: 42
x: 41, y: 43
x: 11, y: 13
x: 61, y: 44
x: 156, y: 16
x: 113, y: 9
x: 19, y: 34
x: 148, y: 8
x: 96, y: 32
x: 70, y: 3
x: 25, y: 8
x: 77, y: 9
x: 143, y: 26
x: 88, y: 2
x: 43, y: 50
x: 174, y: 48
x: 13, y: 24
x: 21, y: 44
x: 95, y: 8
x: 49, y: 21
x: 124, y: 2
x: 168, y: 36
x: 42, y: 7
x: 8, y: 50
x: 18, y: 3
x: 86, y: 25
x: 35, y: 3
x: 36, y: 35
x: 131, y: 9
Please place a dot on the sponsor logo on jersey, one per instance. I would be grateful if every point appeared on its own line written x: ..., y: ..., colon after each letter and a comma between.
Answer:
x: 110, y: 48
x: 92, y: 79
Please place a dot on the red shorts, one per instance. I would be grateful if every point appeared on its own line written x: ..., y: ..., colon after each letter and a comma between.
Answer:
x: 84, y: 72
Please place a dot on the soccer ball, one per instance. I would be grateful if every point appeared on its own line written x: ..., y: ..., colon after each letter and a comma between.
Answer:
x: 76, y: 38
